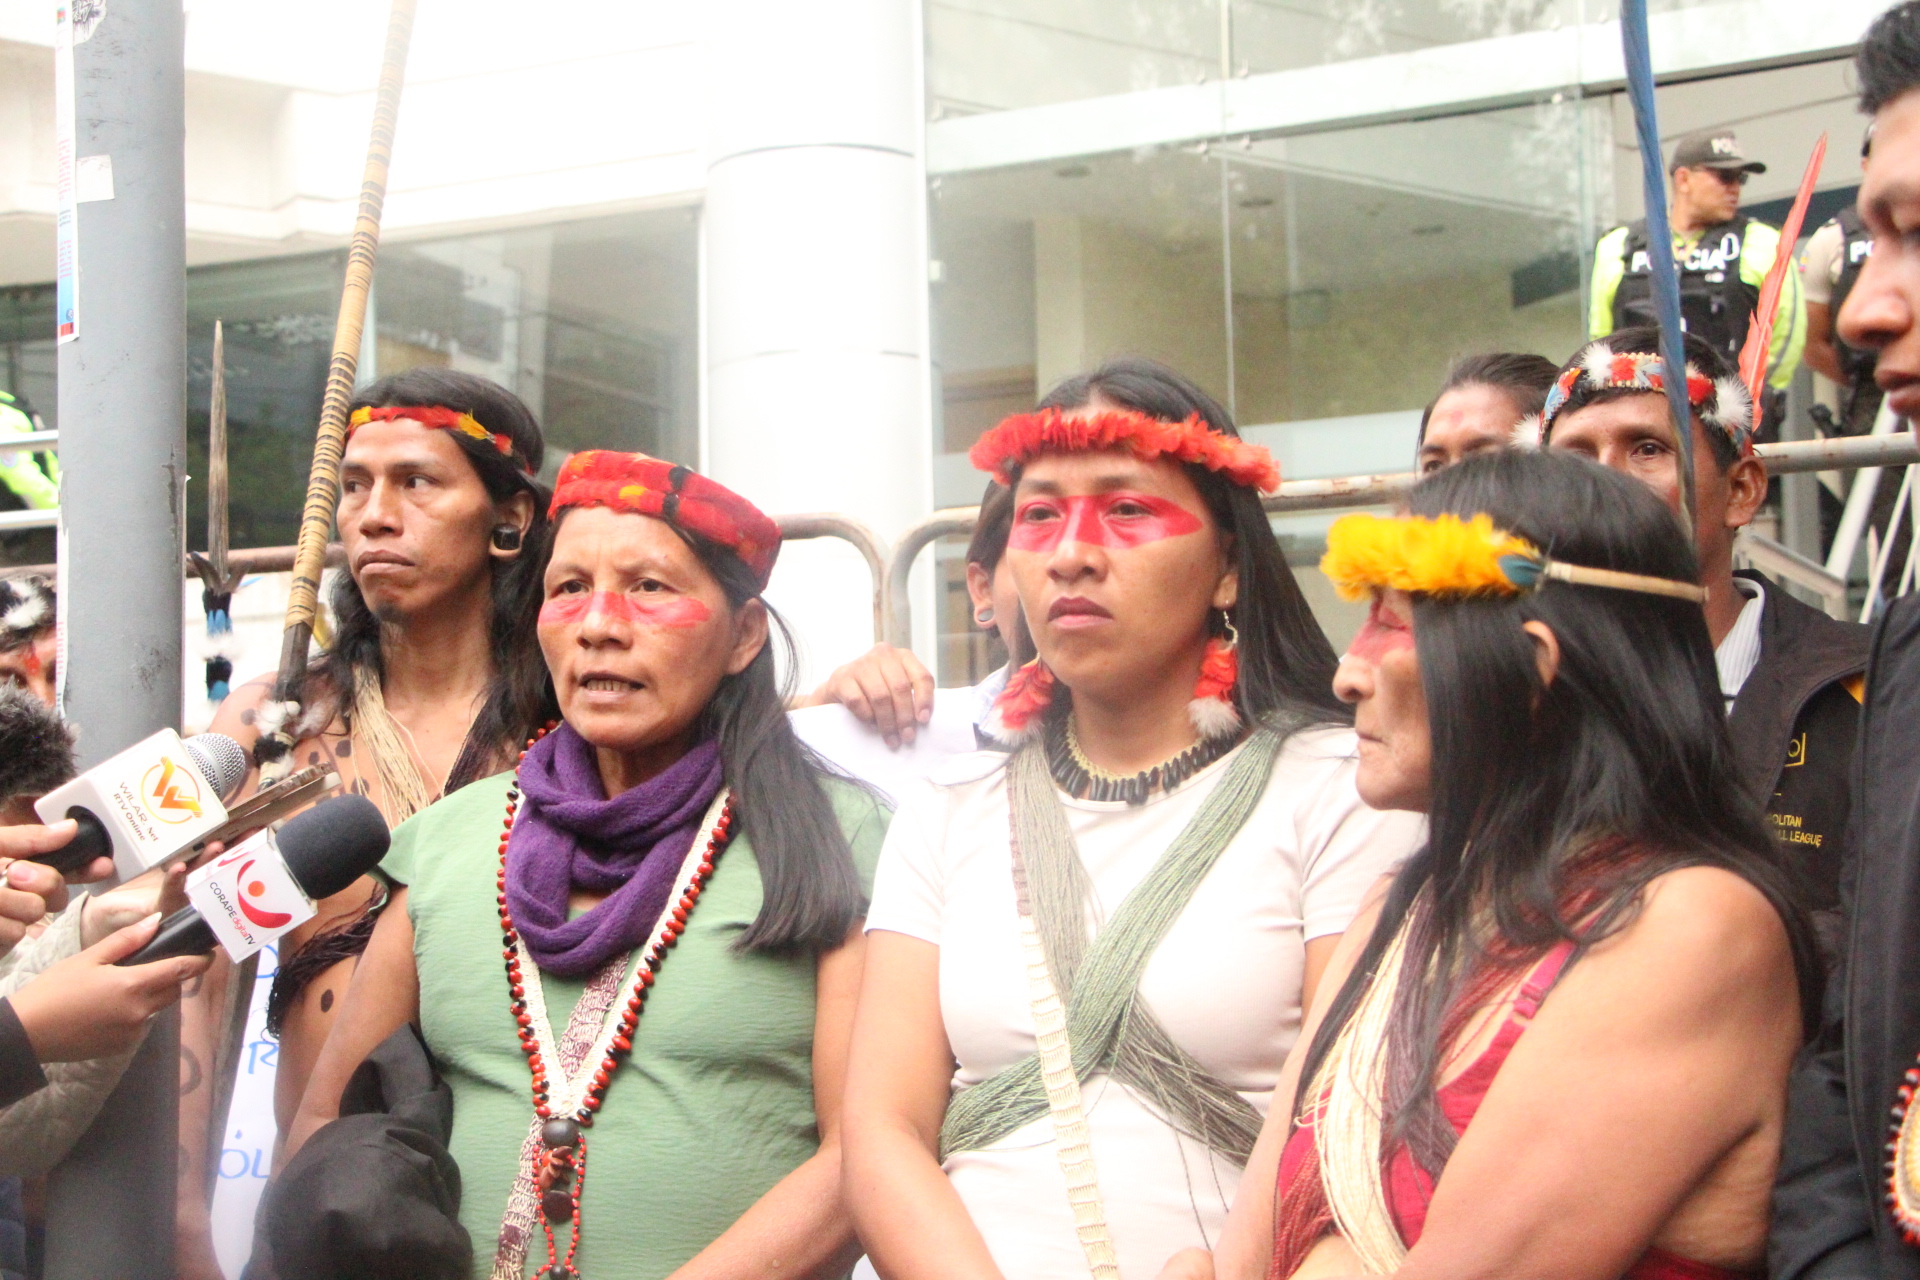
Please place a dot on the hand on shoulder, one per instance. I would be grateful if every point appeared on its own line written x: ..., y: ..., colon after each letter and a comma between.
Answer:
x: 887, y: 688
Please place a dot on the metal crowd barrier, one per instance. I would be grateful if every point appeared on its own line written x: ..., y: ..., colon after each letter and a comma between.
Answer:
x: 891, y: 568
x: 1885, y: 449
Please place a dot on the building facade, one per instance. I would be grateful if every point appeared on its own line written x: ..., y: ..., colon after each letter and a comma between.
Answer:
x: 817, y: 249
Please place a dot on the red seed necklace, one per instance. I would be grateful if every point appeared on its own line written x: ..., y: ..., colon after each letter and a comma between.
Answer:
x: 560, y: 1170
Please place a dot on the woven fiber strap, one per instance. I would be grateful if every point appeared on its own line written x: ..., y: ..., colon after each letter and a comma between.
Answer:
x: 1072, y: 1141
x: 1348, y: 1093
x: 1108, y: 1026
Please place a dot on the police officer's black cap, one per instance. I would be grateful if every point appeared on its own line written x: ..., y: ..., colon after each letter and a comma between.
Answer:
x: 1713, y: 149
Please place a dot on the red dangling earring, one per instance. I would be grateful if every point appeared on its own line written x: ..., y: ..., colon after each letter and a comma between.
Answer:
x: 1017, y: 712
x: 1212, y: 710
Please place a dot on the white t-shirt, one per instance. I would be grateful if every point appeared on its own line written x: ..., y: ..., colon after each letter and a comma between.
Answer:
x: 1225, y: 982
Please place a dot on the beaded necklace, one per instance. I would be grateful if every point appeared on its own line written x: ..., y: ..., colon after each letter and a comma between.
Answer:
x: 1080, y: 778
x: 560, y: 1164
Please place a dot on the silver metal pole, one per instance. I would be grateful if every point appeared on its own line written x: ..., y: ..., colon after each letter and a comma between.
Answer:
x: 123, y: 453
x: 1859, y: 508
x: 1800, y: 494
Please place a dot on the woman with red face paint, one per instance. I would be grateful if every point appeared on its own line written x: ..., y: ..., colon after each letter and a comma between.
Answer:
x: 1556, y: 1043
x: 1090, y: 948
x: 635, y: 957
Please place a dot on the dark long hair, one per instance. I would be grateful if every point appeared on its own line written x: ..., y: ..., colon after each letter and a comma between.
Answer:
x: 1521, y: 376
x: 1555, y: 805
x: 810, y: 891
x: 1286, y: 663
x: 521, y: 697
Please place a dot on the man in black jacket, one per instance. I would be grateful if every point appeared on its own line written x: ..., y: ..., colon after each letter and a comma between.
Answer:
x: 1832, y: 1213
x: 1790, y: 674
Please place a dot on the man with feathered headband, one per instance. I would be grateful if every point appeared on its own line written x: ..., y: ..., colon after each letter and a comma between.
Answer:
x: 1791, y: 675
x: 432, y: 678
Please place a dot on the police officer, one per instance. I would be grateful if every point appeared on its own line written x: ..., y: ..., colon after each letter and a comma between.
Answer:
x: 28, y: 481
x: 1828, y: 268
x: 1723, y: 258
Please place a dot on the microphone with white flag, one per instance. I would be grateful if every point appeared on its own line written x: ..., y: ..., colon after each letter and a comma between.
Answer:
x: 148, y: 805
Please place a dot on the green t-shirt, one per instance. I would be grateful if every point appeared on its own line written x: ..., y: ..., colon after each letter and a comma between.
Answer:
x: 715, y: 1103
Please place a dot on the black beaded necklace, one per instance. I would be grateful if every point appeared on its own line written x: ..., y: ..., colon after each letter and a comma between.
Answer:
x: 1080, y: 778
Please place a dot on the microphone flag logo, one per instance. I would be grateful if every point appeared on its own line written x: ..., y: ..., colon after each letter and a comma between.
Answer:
x: 171, y: 792
x: 249, y: 896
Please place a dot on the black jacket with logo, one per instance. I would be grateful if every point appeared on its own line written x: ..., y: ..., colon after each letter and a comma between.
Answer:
x: 1793, y: 727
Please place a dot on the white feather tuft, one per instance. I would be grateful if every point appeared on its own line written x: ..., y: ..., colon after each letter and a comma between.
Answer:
x: 996, y: 728
x: 1732, y: 406
x: 1213, y: 717
x: 1597, y: 360
x: 271, y: 717
x: 1526, y: 432
x: 30, y: 613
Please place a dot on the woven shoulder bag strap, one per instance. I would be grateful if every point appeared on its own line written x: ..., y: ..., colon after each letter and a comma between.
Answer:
x: 1101, y: 987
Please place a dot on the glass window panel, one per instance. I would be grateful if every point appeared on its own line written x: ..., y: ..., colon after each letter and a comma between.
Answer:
x: 1366, y: 260
x: 989, y: 55
x: 1279, y: 35
x: 278, y: 316
x: 992, y: 55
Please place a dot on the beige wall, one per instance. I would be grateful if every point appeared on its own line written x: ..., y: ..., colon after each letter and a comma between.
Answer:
x: 1101, y: 291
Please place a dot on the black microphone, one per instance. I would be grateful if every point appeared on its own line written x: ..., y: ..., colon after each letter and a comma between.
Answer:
x: 326, y: 849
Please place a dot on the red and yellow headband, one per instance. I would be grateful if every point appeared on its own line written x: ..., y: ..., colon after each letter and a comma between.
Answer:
x: 640, y: 485
x: 1445, y: 555
x: 437, y: 417
x: 1024, y: 436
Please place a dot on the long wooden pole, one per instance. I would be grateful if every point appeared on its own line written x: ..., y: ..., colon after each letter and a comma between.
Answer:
x: 323, y: 481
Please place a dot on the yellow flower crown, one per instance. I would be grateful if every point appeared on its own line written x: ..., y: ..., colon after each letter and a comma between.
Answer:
x: 1447, y: 556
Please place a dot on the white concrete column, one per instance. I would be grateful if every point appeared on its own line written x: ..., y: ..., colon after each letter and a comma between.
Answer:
x: 814, y: 288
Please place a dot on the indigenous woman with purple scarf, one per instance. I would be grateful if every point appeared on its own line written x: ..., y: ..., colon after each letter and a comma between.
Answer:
x: 635, y: 958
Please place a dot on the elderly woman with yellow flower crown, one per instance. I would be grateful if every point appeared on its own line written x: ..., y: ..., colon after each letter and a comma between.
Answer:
x: 1089, y: 955
x: 1556, y: 1044
x: 635, y: 957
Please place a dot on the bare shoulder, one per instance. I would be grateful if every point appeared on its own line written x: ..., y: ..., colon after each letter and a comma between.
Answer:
x: 1705, y: 928
x: 240, y: 711
x: 1711, y: 904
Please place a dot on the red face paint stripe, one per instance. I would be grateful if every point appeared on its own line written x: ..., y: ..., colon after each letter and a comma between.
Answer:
x: 1381, y: 634
x: 1041, y: 524
x: 667, y: 611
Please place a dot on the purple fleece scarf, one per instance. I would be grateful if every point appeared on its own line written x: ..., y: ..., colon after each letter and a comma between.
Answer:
x: 570, y: 836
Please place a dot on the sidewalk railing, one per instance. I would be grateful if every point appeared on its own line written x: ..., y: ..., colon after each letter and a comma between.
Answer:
x: 890, y: 568
x: 1846, y: 453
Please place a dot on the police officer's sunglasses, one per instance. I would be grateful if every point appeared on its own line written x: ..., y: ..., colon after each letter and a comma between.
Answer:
x: 1729, y: 177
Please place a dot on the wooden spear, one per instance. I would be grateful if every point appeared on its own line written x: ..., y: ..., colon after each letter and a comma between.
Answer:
x: 323, y: 481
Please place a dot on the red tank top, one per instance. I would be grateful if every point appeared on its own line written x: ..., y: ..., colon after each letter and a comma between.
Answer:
x: 1409, y: 1190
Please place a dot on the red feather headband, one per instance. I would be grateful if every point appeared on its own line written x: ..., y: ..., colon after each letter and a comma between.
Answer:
x: 439, y: 418
x: 640, y: 485
x: 1024, y: 436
